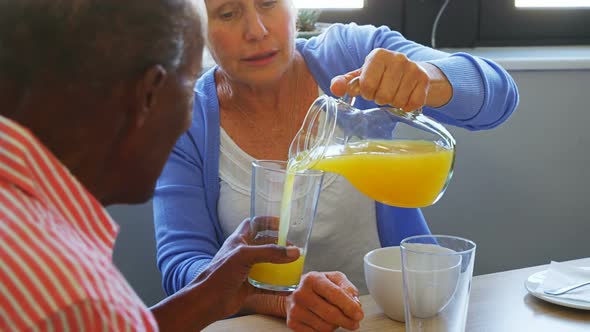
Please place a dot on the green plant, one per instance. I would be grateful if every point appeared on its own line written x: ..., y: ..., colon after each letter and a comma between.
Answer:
x: 307, y: 18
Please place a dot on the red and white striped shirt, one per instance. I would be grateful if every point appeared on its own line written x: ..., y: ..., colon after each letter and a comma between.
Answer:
x: 56, y: 246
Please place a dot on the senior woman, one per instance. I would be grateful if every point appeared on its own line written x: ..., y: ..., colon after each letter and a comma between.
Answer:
x: 251, y: 104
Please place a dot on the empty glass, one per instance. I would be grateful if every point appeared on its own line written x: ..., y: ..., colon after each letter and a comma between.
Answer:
x: 437, y: 272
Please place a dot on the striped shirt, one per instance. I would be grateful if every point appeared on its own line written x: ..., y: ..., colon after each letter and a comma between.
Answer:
x: 56, y: 246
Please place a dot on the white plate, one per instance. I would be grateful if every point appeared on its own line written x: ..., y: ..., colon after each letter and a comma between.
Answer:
x: 536, y: 279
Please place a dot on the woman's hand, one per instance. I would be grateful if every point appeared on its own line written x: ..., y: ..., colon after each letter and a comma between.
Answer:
x: 390, y: 78
x: 324, y: 301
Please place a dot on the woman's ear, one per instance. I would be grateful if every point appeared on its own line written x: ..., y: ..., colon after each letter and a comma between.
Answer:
x: 148, y: 90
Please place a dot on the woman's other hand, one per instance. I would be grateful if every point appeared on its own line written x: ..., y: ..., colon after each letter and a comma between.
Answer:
x: 390, y: 78
x: 324, y: 301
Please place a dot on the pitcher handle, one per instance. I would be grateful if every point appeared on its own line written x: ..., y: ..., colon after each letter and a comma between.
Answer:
x: 353, y: 85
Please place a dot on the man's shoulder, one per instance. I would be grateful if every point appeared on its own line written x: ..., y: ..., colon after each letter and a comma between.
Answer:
x: 334, y: 52
x: 48, y: 265
x: 43, y: 251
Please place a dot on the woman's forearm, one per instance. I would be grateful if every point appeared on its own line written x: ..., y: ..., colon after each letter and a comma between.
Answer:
x: 265, y: 304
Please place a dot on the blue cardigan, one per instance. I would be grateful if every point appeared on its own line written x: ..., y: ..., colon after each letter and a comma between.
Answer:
x: 188, y: 232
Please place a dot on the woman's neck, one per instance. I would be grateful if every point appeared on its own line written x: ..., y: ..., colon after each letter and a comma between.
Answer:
x: 264, y: 120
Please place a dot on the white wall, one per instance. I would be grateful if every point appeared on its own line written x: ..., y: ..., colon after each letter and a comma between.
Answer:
x: 521, y: 190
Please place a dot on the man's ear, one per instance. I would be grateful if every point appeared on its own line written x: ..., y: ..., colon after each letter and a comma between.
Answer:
x: 148, y: 90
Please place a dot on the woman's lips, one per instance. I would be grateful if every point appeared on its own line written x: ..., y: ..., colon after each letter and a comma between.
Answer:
x: 262, y: 58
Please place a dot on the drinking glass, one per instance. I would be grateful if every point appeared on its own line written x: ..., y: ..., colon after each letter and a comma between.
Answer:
x: 283, y: 208
x: 437, y: 272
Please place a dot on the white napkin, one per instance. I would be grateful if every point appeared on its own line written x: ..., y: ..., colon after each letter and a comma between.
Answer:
x: 561, y: 275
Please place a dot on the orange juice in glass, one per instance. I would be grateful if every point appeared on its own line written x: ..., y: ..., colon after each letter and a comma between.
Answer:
x: 283, y: 207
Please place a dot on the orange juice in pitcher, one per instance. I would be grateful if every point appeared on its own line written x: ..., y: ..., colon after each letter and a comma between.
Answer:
x: 403, y: 173
x: 399, y: 158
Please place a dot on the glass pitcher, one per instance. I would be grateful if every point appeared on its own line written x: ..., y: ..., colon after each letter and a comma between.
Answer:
x: 398, y: 158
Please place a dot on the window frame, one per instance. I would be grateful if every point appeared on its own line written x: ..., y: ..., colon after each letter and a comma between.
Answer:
x: 472, y: 23
x: 532, y: 26
x: 375, y: 12
x: 318, y: 5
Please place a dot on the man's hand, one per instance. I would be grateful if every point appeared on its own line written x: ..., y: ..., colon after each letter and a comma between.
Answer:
x: 221, y: 289
x: 227, y: 273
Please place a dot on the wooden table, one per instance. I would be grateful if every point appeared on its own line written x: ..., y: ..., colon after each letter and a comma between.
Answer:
x: 498, y: 303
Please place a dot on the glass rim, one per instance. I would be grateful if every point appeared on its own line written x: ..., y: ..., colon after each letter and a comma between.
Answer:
x: 437, y: 236
x: 260, y: 163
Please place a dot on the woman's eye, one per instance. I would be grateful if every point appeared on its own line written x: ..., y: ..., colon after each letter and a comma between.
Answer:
x: 228, y: 12
x: 226, y: 15
x: 268, y: 4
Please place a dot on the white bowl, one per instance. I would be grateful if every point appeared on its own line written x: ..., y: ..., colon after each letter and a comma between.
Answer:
x: 383, y: 275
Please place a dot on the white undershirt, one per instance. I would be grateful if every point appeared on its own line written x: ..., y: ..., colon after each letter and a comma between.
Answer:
x: 344, y: 229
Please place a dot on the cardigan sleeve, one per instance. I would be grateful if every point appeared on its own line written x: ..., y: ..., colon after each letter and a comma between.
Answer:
x: 484, y: 94
x: 186, y: 237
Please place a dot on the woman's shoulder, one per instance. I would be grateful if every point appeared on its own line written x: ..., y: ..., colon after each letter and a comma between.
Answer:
x: 205, y: 100
x: 206, y: 82
x: 349, y: 43
x: 347, y: 32
x: 205, y: 114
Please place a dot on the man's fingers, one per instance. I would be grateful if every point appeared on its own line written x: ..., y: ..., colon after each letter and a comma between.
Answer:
x: 244, y: 226
x: 265, y: 222
x: 264, y: 230
x: 268, y: 253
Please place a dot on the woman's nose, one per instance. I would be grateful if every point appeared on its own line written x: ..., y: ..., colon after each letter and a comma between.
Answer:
x: 255, y: 27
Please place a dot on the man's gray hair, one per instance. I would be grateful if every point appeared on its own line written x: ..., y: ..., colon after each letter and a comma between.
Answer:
x: 90, y: 40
